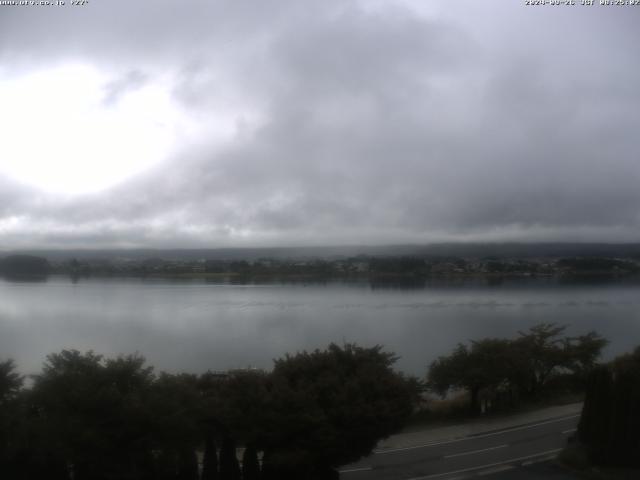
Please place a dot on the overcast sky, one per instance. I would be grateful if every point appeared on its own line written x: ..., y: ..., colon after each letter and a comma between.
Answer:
x: 203, y: 123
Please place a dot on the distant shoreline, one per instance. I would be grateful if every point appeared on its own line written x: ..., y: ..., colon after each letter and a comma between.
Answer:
x: 383, y: 278
x: 402, y: 268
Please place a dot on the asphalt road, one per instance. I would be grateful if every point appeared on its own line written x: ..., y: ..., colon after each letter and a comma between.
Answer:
x: 517, y: 452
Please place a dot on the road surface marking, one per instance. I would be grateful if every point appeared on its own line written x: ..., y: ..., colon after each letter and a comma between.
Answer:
x: 475, y: 451
x: 571, y: 430
x: 483, y: 435
x: 538, y: 460
x: 491, y: 471
x: 351, y: 470
x: 489, y: 465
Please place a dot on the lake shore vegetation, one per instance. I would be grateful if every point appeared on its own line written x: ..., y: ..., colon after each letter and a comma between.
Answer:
x: 88, y: 417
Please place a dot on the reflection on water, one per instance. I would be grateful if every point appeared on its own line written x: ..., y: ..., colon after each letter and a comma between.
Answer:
x: 197, y: 324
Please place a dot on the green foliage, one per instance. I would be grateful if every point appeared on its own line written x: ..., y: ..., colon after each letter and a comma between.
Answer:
x: 595, y: 419
x: 93, y: 412
x: 174, y: 402
x: 496, y: 369
x: 331, y: 407
x: 487, y: 364
x: 450, y: 371
x: 24, y: 265
x: 10, y: 381
x: 541, y: 350
x: 188, y: 466
x: 99, y: 418
x: 250, y: 464
x: 582, y: 352
x: 93, y: 418
x: 229, y: 466
x: 610, y: 421
x: 237, y: 403
x: 10, y: 427
x: 398, y: 266
x: 597, y: 264
x: 210, y: 459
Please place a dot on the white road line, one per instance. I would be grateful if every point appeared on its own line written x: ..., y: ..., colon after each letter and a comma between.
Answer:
x: 475, y: 451
x: 491, y: 471
x: 489, y: 465
x: 537, y: 460
x: 571, y: 430
x: 351, y: 470
x: 464, y: 439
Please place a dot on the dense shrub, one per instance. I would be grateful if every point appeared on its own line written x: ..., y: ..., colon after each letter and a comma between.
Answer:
x: 88, y: 417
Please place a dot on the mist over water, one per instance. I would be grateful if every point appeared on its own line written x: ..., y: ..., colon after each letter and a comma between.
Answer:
x: 195, y: 326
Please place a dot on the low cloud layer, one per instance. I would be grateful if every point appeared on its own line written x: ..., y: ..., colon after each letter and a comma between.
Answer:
x: 342, y: 122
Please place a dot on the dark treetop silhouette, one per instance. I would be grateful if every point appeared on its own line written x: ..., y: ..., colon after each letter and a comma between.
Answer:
x: 90, y: 417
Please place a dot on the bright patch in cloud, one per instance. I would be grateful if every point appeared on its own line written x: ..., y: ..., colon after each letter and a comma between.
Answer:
x: 60, y: 135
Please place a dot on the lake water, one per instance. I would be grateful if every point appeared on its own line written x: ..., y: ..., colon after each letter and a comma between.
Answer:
x: 196, y: 325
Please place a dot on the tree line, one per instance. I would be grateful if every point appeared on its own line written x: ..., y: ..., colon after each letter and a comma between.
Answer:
x: 87, y: 417
x: 502, y: 372
x: 375, y: 267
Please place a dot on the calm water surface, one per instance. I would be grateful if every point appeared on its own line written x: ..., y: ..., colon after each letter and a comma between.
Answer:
x: 195, y: 325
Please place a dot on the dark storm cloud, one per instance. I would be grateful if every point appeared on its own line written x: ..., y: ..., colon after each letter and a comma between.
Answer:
x: 375, y: 125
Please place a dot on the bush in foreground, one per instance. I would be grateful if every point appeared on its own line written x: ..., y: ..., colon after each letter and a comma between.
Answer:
x: 88, y: 417
x: 610, y: 423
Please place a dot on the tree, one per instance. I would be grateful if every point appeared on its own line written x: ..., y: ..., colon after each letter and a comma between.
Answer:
x: 593, y: 428
x: 624, y: 433
x: 93, y: 418
x: 494, y: 368
x: 10, y: 417
x: 582, y: 353
x: 72, y: 409
x: 188, y: 464
x: 487, y: 365
x: 543, y: 352
x: 210, y: 459
x: 174, y: 404
x: 24, y: 265
x: 10, y: 381
x: 250, y: 464
x: 229, y: 466
x: 610, y: 422
x: 331, y: 407
x: 92, y: 415
x: 447, y: 372
x: 235, y: 404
